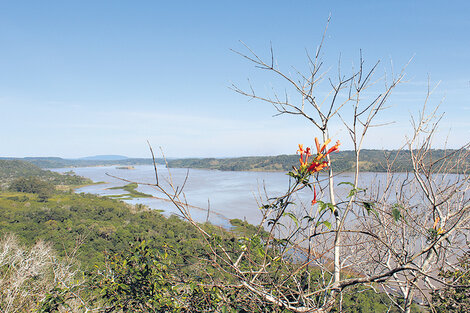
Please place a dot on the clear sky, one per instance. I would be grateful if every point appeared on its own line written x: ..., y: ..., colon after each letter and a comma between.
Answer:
x: 81, y: 78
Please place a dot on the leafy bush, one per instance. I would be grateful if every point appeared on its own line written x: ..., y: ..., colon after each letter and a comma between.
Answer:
x: 454, y: 299
x: 33, y: 185
x: 139, y: 280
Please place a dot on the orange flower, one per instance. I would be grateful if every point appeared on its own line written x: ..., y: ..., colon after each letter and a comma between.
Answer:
x: 319, y: 156
x: 334, y: 148
x: 317, y: 164
x: 317, y: 167
x: 323, y: 146
x: 304, y: 154
x: 317, y: 144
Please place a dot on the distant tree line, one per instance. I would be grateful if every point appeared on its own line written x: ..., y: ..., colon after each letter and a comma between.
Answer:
x: 372, y: 160
x: 342, y: 161
x: 55, y: 162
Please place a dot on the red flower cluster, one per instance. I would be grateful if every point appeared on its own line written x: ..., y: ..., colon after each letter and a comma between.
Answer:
x: 318, y: 162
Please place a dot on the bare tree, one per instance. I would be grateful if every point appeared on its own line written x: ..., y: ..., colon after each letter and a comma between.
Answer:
x: 394, y: 236
x: 29, y: 276
x: 421, y: 221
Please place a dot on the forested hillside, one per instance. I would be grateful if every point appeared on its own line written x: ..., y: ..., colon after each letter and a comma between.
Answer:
x: 12, y: 169
x: 342, y: 161
x: 100, y: 224
x: 55, y: 162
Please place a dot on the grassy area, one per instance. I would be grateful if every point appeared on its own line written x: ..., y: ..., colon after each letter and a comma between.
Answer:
x: 75, y: 187
x: 131, y: 192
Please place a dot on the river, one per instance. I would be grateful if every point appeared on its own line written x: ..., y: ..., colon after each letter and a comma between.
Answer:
x: 228, y: 194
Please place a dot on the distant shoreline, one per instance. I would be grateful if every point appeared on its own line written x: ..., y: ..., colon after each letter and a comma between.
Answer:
x: 344, y: 161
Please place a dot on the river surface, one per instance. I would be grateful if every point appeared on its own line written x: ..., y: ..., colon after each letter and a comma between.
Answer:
x: 228, y: 194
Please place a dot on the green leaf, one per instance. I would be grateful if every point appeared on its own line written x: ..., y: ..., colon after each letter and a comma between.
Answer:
x: 396, y: 214
x: 369, y: 206
x: 265, y: 207
x: 323, y: 206
x: 331, y: 207
x: 292, y: 216
x: 354, y: 190
x: 192, y: 286
x: 308, y: 218
x: 326, y: 223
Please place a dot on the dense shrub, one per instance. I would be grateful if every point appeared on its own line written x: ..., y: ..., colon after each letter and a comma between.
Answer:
x: 34, y: 185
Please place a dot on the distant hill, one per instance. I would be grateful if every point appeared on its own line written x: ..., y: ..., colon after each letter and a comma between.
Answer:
x: 110, y: 157
x: 17, y: 168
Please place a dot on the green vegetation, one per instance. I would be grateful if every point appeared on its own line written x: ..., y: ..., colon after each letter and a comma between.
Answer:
x: 147, y: 253
x: 13, y: 169
x: 147, y: 279
x: 366, y: 300
x: 100, y: 224
x: 273, y: 163
x: 128, y: 167
x: 43, y: 189
x: 132, y: 192
x: 454, y: 300
x: 10, y: 169
x: 54, y: 162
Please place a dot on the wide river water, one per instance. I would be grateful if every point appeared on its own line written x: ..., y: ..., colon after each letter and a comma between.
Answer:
x: 228, y: 194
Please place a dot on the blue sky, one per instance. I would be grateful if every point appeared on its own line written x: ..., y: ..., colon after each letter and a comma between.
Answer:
x: 82, y: 78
